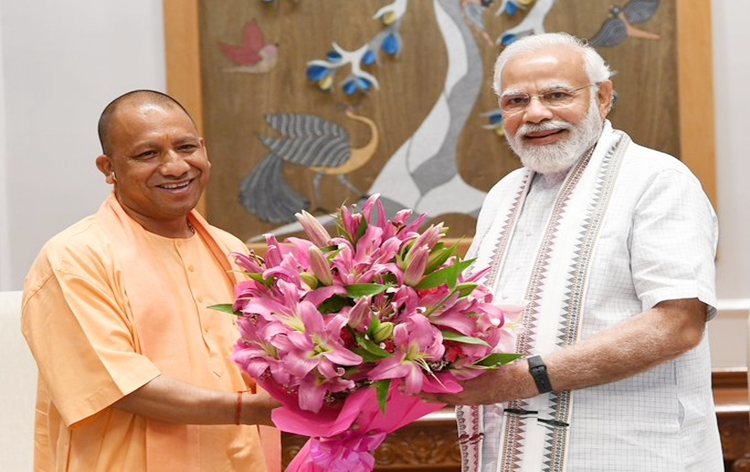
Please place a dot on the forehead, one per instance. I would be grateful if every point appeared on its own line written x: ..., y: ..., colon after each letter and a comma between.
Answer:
x: 141, y: 120
x: 538, y: 69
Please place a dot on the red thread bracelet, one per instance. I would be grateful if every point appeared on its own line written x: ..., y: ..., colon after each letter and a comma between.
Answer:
x: 238, y: 411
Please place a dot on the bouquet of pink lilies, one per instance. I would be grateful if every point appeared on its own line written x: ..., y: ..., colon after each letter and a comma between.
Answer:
x: 346, y: 331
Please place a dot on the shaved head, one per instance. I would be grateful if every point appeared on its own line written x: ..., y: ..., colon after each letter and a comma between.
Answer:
x: 133, y: 98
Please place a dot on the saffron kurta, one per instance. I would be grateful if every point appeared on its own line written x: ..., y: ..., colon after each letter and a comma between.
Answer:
x: 109, y: 307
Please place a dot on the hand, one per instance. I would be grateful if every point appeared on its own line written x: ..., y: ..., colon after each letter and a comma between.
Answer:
x: 257, y: 408
x: 506, y: 383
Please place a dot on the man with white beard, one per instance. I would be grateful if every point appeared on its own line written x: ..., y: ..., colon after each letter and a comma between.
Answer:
x: 611, y: 247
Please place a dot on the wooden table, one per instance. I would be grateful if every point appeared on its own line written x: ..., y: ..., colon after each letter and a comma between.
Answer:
x: 430, y: 443
x: 733, y: 412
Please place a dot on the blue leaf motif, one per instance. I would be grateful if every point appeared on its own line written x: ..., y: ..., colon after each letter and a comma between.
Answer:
x: 391, y: 45
x: 508, y: 39
x: 316, y: 73
x: 364, y: 84
x: 350, y: 87
x: 369, y: 58
x: 333, y: 56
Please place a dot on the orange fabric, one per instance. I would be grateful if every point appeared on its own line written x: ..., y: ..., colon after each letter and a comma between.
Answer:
x: 108, y: 307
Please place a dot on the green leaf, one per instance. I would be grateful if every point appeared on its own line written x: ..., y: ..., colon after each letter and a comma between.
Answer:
x: 382, y: 387
x: 497, y: 359
x: 455, y: 337
x: 455, y: 270
x: 361, y: 231
x: 447, y: 275
x: 365, y: 290
x: 334, y: 304
x: 464, y: 290
x: 259, y: 278
x: 439, y: 255
x: 370, y: 346
x: 225, y: 308
x: 433, y: 280
x: 367, y: 357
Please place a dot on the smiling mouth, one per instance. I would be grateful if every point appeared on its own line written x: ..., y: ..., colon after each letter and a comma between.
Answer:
x: 543, y: 134
x: 177, y: 186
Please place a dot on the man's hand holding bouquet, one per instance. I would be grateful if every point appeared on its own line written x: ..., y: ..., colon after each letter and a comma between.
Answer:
x: 345, y: 331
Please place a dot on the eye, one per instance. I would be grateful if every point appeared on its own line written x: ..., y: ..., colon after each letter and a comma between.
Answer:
x: 189, y: 148
x: 557, y: 96
x: 146, y: 155
x: 514, y: 101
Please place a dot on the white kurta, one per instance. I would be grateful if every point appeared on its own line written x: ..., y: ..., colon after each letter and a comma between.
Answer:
x: 656, y: 243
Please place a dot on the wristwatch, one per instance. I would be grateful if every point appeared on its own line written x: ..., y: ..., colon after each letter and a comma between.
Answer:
x: 538, y: 371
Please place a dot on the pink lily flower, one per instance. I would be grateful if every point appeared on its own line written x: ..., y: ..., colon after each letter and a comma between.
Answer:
x: 417, y: 343
x: 314, y: 229
x: 255, y: 352
x: 273, y: 252
x: 318, y: 344
x: 374, y: 203
x: 247, y: 263
x: 319, y: 265
x: 350, y: 223
x: 360, y: 315
x: 415, y: 269
x: 313, y: 390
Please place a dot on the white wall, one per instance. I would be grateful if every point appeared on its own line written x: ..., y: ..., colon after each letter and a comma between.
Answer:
x: 731, y: 37
x: 62, y: 62
x: 5, y: 274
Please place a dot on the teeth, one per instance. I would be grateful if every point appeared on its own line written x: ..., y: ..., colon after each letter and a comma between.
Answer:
x: 175, y: 186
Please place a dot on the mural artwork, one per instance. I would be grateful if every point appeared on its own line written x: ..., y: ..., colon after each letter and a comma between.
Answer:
x: 310, y: 104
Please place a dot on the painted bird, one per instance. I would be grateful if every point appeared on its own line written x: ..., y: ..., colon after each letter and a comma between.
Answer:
x: 619, y: 26
x: 310, y: 141
x: 254, y: 55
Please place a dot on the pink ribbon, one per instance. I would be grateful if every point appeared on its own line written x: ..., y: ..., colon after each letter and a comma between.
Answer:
x: 349, y: 452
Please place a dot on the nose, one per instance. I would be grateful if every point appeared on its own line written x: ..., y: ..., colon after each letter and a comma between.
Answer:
x: 174, y: 164
x: 536, y: 111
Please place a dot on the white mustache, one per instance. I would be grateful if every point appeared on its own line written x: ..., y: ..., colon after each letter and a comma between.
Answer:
x: 546, y: 126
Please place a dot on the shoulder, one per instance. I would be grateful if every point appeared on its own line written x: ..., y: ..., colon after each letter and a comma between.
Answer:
x: 645, y: 171
x: 647, y: 161
x: 81, y: 249
x: 85, y: 235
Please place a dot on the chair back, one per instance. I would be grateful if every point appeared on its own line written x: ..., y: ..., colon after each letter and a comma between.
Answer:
x: 18, y: 376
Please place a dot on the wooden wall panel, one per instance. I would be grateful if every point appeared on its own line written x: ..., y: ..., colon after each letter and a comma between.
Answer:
x: 664, y: 87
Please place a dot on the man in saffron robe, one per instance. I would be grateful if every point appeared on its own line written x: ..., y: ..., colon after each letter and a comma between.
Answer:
x: 134, y: 369
x: 611, y: 246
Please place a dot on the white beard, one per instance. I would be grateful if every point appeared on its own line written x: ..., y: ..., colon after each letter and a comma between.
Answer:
x: 560, y: 156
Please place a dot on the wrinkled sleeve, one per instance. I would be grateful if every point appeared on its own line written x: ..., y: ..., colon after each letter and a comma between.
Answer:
x: 80, y: 332
x: 675, y: 234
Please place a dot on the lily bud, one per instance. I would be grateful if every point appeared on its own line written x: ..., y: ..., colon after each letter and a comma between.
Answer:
x: 319, y: 266
x: 309, y: 279
x: 313, y: 228
x: 360, y: 315
x: 382, y: 332
x: 415, y: 269
x: 429, y: 238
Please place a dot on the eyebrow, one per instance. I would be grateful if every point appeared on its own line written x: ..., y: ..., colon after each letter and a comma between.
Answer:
x: 546, y: 88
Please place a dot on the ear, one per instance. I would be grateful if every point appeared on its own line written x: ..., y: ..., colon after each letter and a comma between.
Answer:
x: 104, y: 164
x: 604, y: 97
x: 205, y: 151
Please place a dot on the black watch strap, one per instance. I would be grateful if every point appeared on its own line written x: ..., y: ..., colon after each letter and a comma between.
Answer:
x: 538, y: 371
